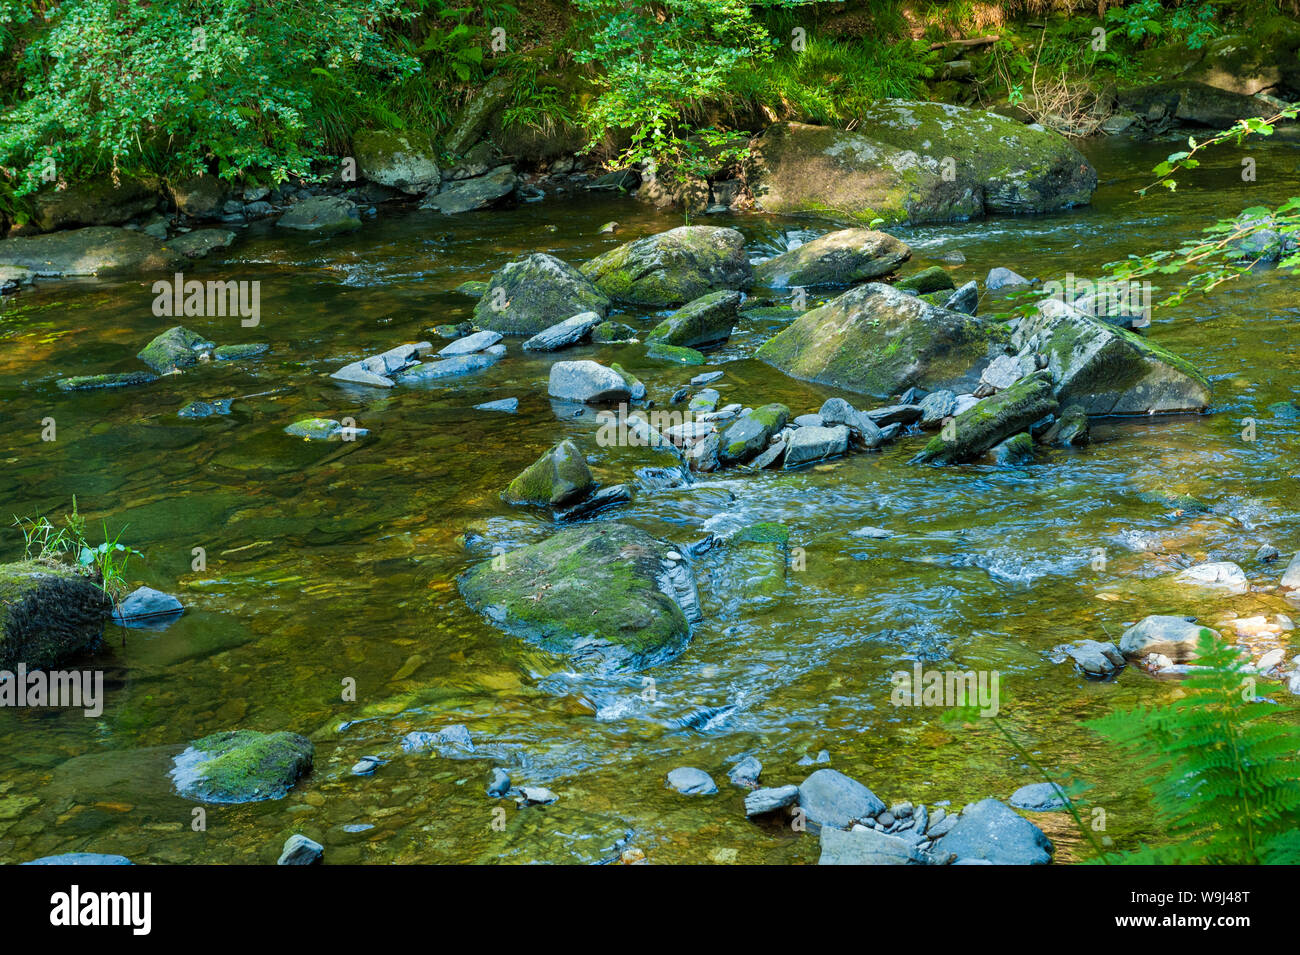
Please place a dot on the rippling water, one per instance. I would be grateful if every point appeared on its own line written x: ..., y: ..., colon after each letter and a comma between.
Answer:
x: 333, y: 561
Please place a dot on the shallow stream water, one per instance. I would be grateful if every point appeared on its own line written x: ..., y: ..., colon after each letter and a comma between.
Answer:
x: 334, y: 561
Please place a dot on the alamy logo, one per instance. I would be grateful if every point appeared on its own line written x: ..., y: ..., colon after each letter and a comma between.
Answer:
x: 74, y: 908
x: 176, y: 297
x: 946, y: 688
x: 69, y: 689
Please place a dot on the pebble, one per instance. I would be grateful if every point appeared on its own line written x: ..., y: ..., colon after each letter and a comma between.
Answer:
x: 499, y: 784
x: 366, y: 765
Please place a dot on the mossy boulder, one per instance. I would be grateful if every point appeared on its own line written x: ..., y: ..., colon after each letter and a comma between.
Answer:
x: 477, y: 113
x: 979, y: 429
x: 48, y: 613
x: 751, y: 434
x: 124, y: 379
x: 675, y: 353
x: 402, y: 161
x: 706, y: 321
x: 929, y: 281
x: 917, y: 162
x: 99, y: 201
x: 97, y: 250
x: 876, y: 340
x: 1188, y: 102
x: 532, y: 294
x: 673, y: 267
x: 315, y: 429
x: 606, y: 594
x: 174, y: 349
x: 845, y: 257
x: 199, y: 196
x: 325, y: 215
x: 1107, y: 370
x: 242, y: 766
x: 558, y: 478
x: 1264, y: 60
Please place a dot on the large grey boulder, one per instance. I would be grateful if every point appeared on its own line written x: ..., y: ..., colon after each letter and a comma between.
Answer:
x: 587, y: 381
x: 1173, y: 637
x: 605, y: 594
x: 876, y: 340
x: 531, y: 294
x: 325, y: 215
x: 402, y: 161
x: 992, y: 831
x: 1107, y: 370
x: 866, y: 847
x: 811, y: 444
x: 829, y: 798
x: 673, y: 267
x: 838, y: 258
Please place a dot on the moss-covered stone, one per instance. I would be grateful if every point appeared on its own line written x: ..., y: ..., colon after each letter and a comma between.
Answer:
x: 240, y: 352
x: 917, y: 162
x: 315, y: 429
x: 673, y: 267
x: 532, y: 294
x: 174, y: 349
x: 750, y: 435
x: 838, y: 258
x: 97, y: 250
x: 707, y: 320
x: 635, y: 386
x: 558, y: 478
x: 974, y: 432
x: 877, y: 340
x: 94, y: 202
x: 48, y: 613
x: 242, y: 766
x: 92, y: 382
x: 402, y: 161
x: 472, y: 289
x: 607, y: 332
x: 676, y: 353
x: 927, y: 281
x: 598, y: 592
x: 322, y: 214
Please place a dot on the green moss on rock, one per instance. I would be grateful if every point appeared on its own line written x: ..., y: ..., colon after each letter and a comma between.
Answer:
x: 558, y: 478
x: 673, y: 267
x: 242, y: 766
x: 705, y: 321
x: 48, y: 613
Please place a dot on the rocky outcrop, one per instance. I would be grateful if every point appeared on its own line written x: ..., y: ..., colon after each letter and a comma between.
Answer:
x: 48, y: 613
x: 531, y: 294
x: 877, y: 340
x: 95, y: 202
x: 605, y: 594
x: 917, y: 162
x: 673, y: 267
x: 845, y: 257
x: 402, y: 161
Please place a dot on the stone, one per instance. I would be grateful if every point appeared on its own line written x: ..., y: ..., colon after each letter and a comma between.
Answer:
x: 745, y: 773
x: 829, y: 798
x: 450, y: 742
x: 975, y: 432
x: 145, y: 603
x: 965, y: 299
x: 559, y: 478
x: 404, y: 161
x: 326, y: 215
x: 1000, y: 278
x: 1070, y: 429
x: 992, y: 831
x: 94, y: 202
x: 762, y: 802
x: 201, y: 242
x: 892, y: 166
x: 206, y: 409
x: 811, y: 444
x: 532, y: 294
x: 1106, y: 370
x: 876, y: 340
x: 1039, y: 797
x: 477, y: 114
x: 673, y: 267
x: 48, y: 613
x: 200, y: 197
x: 1003, y: 372
x: 478, y: 341
x: 691, y: 782
x: 1173, y: 637
x: 707, y: 320
x: 674, y: 353
x: 571, y: 331
x: 935, y: 407
x: 315, y: 429
x: 81, y: 858
x: 242, y: 766
x: 1015, y: 451
x: 1291, y: 576
x: 97, y: 250
x: 866, y: 847
x: 1190, y: 102
x: 95, y: 382
x: 592, y: 505
x: 1223, y: 576
x: 174, y: 349
x: 507, y: 405
x: 1096, y: 659
x: 467, y: 195
x: 604, y: 594
x: 239, y: 352
x: 845, y: 257
x: 751, y: 433
x: 587, y: 381
x: 927, y: 281
x: 634, y: 385
x: 423, y: 372
x: 535, y: 796
x: 299, y: 850
x: 499, y: 784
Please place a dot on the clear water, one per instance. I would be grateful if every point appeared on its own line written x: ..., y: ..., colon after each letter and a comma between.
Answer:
x: 335, y: 561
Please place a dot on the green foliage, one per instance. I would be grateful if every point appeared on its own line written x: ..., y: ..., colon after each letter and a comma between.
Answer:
x: 1221, y: 768
x: 1150, y: 21
x: 209, y: 84
x: 105, y: 561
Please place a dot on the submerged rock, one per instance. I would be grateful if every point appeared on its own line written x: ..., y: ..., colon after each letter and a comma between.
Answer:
x: 48, y: 613
x: 531, y: 294
x: 559, y: 478
x: 145, y: 603
x: 1096, y: 659
x: 98, y: 250
x: 201, y: 242
x: 242, y: 766
x: 673, y: 267
x: 705, y: 321
x: 877, y: 340
x: 93, y: 382
x: 927, y: 281
x: 1039, y: 797
x: 604, y: 593
x: 974, y: 432
x: 917, y: 162
x: 845, y: 257
x: 1223, y: 576
x: 692, y: 782
x: 1106, y: 370
x: 326, y: 215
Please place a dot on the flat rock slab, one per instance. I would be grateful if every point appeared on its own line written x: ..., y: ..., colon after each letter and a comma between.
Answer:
x: 866, y: 847
x: 98, y: 250
x: 571, y: 331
